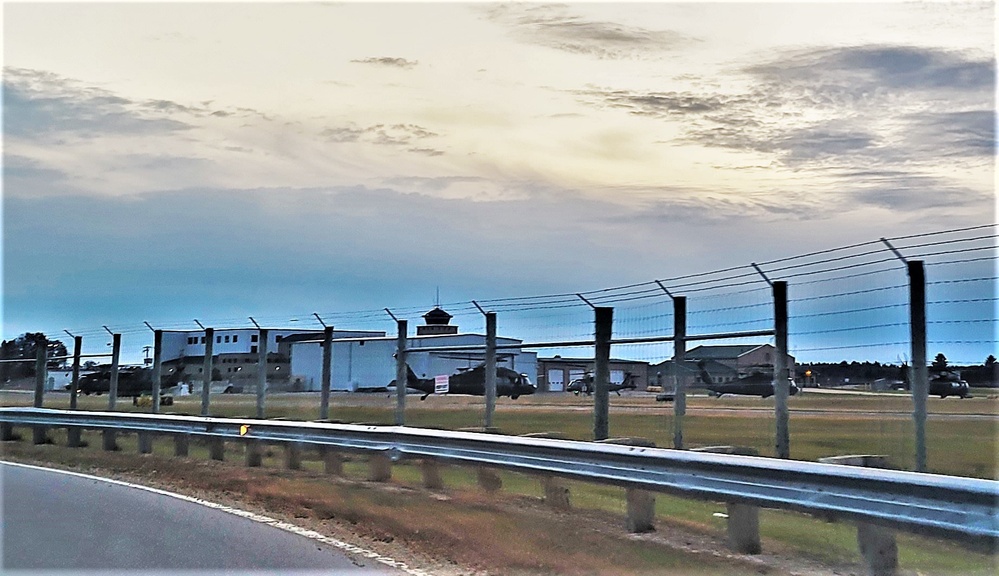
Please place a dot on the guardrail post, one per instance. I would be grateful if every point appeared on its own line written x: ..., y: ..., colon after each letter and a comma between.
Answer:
x: 919, y: 382
x: 332, y: 461
x: 254, y: 454
x: 782, y: 388
x: 401, y: 374
x: 679, y: 368
x: 324, y: 394
x: 73, y: 433
x: 431, y: 470
x: 488, y: 479
x: 261, y: 372
x: 293, y: 455
x: 380, y: 468
x: 876, y: 543
x: 555, y: 489
x: 216, y: 449
x: 157, y: 370
x: 603, y: 317
x: 7, y: 432
x: 743, y: 527
x: 181, y: 445
x: 641, y: 503
x: 145, y: 443
x: 490, y: 382
x: 206, y: 370
x: 38, y: 433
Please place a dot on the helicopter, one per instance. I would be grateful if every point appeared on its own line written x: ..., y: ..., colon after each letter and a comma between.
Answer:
x: 473, y: 382
x: 584, y: 385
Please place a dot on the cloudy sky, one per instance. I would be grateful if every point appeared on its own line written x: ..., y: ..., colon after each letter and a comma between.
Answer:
x: 173, y: 161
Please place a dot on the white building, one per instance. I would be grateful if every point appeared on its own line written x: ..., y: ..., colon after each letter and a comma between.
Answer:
x: 359, y: 363
x: 369, y: 362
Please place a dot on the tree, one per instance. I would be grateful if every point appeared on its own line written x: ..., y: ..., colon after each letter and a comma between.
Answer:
x: 25, y: 347
x: 940, y: 362
x: 990, y: 362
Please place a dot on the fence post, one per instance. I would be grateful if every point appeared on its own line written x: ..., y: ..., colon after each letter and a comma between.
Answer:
x: 782, y: 388
x: 490, y: 382
x: 324, y: 394
x: 40, y: 373
x: 73, y: 434
x: 38, y: 435
x: 145, y: 438
x: 604, y: 318
x: 920, y: 386
x: 206, y: 369
x: 261, y: 372
x: 679, y: 368
x: 401, y: 374
x: 115, y: 360
x: 157, y: 371
x: 332, y: 461
x: 293, y: 455
x: 74, y: 390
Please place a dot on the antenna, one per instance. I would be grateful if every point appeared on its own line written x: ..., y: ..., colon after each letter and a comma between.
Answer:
x: 437, y: 302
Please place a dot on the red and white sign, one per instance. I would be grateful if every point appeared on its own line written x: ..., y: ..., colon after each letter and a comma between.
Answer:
x: 442, y: 384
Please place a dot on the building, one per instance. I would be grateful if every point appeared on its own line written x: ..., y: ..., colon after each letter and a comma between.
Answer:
x: 368, y: 362
x: 722, y: 363
x: 554, y: 374
x: 235, y: 354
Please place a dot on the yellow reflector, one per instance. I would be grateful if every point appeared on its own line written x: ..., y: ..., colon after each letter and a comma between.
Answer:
x: 243, y: 430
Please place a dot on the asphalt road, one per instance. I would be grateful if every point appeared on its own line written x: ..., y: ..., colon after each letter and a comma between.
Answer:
x: 59, y: 522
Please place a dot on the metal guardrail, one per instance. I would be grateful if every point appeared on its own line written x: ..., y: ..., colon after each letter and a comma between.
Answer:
x: 965, y: 509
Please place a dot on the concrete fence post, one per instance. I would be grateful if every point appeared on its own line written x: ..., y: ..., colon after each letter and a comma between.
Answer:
x: 490, y: 376
x: 603, y: 320
x: 782, y: 386
x: 401, y: 374
x: 919, y: 382
x: 145, y: 443
x: 7, y: 432
x: 262, y: 372
x: 641, y: 503
x: 206, y: 370
x: 488, y: 479
x: 326, y: 384
x: 73, y: 433
x: 877, y: 545
x: 555, y: 489
x: 679, y: 368
x: 39, y: 433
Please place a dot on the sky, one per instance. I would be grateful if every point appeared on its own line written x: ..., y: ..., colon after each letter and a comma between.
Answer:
x: 171, y: 161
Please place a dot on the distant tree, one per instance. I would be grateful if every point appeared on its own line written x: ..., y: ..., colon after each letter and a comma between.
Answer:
x: 25, y: 347
x: 940, y: 362
x: 990, y: 362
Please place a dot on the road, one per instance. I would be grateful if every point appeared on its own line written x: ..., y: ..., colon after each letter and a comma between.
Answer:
x: 58, y: 521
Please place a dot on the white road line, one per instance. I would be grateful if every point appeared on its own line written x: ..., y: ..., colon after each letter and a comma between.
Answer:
x: 345, y: 546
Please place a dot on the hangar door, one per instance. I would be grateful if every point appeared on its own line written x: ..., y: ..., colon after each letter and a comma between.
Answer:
x: 556, y: 380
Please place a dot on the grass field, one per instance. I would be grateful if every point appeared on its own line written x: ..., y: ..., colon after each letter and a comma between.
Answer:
x: 962, y: 438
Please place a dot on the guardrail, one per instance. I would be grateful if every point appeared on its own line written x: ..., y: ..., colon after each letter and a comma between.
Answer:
x: 957, y: 508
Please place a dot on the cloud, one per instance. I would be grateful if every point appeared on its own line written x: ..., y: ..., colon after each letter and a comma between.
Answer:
x: 554, y: 26
x: 390, y: 62
x: 383, y: 134
x: 40, y: 104
x: 862, y: 69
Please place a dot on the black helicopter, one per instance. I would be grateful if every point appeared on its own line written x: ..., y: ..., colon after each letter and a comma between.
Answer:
x: 755, y: 384
x: 584, y: 385
x: 473, y: 382
x: 133, y: 381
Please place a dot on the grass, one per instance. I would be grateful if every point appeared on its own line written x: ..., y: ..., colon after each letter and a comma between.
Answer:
x: 820, y: 426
